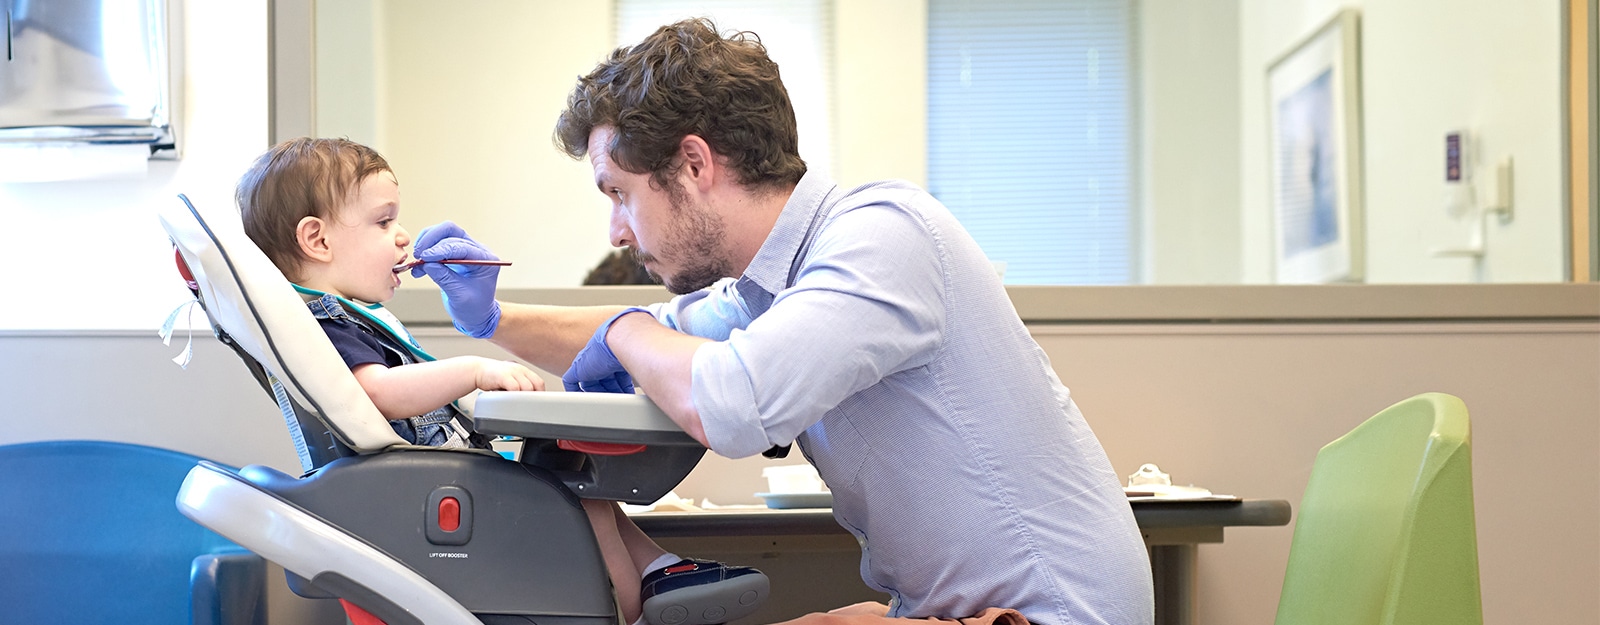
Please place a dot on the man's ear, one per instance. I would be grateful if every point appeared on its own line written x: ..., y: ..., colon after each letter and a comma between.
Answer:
x: 699, y: 162
x: 312, y: 236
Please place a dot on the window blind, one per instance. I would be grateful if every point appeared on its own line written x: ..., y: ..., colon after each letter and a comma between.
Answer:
x: 798, y: 35
x: 1031, y: 133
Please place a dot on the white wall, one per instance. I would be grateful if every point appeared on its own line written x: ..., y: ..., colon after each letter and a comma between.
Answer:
x: 881, y: 99
x: 1189, y: 134
x: 94, y: 248
x: 1493, y: 68
x: 470, y: 140
x: 1428, y: 66
x: 350, y: 61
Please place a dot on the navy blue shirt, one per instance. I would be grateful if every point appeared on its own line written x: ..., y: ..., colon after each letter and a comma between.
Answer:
x: 357, y: 346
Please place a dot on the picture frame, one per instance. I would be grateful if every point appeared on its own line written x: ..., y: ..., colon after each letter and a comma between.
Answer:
x: 1314, y: 112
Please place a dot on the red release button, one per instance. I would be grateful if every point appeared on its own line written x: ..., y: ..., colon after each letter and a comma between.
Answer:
x: 449, y: 514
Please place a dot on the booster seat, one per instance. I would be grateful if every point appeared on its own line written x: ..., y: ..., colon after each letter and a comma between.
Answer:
x: 402, y: 533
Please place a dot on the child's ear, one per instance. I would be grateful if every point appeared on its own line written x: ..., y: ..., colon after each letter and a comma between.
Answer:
x: 312, y: 235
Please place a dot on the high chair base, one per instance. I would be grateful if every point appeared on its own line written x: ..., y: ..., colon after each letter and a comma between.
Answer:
x: 370, y: 529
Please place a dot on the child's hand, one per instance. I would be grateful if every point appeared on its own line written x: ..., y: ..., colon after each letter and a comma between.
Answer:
x: 503, y: 375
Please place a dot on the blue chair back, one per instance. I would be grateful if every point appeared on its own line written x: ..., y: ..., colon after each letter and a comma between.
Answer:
x: 90, y: 533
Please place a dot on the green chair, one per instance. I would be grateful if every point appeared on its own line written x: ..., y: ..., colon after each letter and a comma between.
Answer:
x: 1385, y: 533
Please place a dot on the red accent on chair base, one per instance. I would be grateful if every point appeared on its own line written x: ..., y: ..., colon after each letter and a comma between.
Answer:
x: 600, y: 449
x: 359, y: 616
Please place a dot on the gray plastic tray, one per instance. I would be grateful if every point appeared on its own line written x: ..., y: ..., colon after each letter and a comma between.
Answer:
x: 599, y: 417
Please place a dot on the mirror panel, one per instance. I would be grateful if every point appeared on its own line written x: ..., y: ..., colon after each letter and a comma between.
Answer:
x: 462, y: 102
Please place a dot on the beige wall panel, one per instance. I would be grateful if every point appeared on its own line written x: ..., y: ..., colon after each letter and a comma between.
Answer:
x: 1244, y: 409
x: 1238, y: 408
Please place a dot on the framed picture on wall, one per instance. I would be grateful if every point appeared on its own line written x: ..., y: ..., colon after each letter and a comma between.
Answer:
x: 1315, y: 117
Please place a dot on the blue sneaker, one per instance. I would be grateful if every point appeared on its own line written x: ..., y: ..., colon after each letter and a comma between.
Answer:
x: 701, y: 592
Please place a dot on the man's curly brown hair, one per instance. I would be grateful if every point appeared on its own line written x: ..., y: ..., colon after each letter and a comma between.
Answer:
x: 686, y: 79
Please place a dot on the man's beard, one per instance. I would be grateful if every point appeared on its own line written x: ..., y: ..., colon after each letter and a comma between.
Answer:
x: 698, y: 238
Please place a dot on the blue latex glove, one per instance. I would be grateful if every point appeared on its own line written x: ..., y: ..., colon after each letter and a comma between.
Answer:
x: 596, y: 369
x: 468, y: 290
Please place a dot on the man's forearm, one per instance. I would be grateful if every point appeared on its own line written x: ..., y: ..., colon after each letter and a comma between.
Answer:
x: 661, y: 361
x: 548, y: 337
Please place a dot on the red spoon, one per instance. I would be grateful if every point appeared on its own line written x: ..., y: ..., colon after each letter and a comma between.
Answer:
x: 463, y: 261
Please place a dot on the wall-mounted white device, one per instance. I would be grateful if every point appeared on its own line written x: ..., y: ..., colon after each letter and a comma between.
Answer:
x: 1460, y: 197
x: 1458, y: 192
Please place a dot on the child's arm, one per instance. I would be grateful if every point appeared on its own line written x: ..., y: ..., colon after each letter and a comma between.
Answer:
x: 411, y: 390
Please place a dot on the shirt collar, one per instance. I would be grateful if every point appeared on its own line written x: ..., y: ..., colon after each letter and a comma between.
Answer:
x: 769, y: 270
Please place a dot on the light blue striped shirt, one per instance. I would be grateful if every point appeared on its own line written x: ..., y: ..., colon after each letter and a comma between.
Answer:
x: 872, y: 330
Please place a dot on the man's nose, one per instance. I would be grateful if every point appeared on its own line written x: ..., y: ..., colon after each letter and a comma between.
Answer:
x: 621, y: 234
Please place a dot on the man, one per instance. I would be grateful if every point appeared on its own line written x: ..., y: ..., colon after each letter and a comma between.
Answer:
x: 864, y: 324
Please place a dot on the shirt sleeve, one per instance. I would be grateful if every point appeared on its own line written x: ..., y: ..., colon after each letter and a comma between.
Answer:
x: 354, y: 345
x: 868, y: 303
x: 710, y: 313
